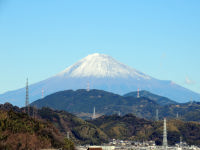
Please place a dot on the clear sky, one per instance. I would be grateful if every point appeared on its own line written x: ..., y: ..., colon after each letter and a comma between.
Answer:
x: 40, y: 38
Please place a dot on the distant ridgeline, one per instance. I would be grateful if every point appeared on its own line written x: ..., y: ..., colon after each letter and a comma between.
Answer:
x: 48, y: 128
x: 82, y: 102
x: 102, y: 72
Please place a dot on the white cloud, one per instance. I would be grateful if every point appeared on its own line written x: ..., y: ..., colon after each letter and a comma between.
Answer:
x: 189, y: 81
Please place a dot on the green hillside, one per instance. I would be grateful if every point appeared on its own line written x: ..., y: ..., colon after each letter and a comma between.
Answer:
x: 48, y: 128
x: 158, y: 99
x: 80, y: 131
x: 130, y: 127
x: 18, y: 131
x: 82, y: 102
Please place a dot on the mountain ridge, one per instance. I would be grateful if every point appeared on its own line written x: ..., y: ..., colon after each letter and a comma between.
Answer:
x: 99, y: 71
x: 101, y: 65
x: 81, y: 103
x: 159, y: 99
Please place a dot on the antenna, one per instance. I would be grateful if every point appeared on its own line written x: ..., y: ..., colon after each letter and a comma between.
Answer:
x: 138, y: 93
x: 165, y: 135
x: 94, y: 115
x: 27, y: 98
x: 157, y: 117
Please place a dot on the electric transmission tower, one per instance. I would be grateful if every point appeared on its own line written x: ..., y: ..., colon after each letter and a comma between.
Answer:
x: 27, y: 98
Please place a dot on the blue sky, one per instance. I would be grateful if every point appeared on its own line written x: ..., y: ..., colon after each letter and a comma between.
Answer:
x: 41, y: 38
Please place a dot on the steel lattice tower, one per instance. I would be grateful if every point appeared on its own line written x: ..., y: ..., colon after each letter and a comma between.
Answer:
x: 165, y: 135
x: 27, y: 98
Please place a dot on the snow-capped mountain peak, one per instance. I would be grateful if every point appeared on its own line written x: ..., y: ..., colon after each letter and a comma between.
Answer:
x: 101, y: 65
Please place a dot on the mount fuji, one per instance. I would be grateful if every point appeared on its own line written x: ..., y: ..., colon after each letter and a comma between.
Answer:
x: 99, y: 71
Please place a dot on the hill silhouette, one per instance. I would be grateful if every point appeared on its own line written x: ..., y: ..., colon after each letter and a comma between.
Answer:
x: 82, y: 102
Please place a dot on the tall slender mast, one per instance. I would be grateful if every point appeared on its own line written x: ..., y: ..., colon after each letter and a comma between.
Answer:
x: 27, y: 98
x: 165, y: 135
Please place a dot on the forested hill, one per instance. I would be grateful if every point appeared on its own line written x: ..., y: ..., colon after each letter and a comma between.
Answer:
x: 20, y: 131
x: 82, y: 102
x: 130, y: 127
x: 80, y: 131
x: 161, y: 100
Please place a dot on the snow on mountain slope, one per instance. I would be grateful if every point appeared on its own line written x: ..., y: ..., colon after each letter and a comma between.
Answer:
x: 100, y: 65
x: 104, y: 73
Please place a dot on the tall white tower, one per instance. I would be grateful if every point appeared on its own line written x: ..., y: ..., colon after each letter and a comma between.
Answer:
x: 165, y: 135
x: 94, y: 115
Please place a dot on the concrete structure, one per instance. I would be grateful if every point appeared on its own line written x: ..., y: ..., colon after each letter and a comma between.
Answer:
x: 165, y: 135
